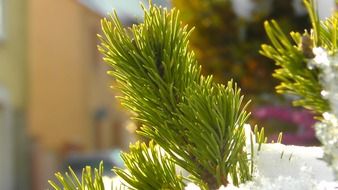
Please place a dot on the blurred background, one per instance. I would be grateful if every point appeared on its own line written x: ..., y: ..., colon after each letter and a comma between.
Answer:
x: 56, y: 107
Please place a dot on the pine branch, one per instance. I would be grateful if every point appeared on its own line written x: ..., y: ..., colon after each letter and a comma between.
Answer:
x: 153, y: 69
x: 158, y: 77
x: 149, y: 167
x: 292, y: 57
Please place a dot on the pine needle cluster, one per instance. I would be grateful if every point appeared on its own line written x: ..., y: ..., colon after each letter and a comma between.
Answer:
x: 197, y: 122
x: 292, y: 57
x: 88, y: 181
x: 149, y: 167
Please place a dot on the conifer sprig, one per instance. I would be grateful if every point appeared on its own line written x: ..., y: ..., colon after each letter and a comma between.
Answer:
x: 197, y: 122
x: 153, y: 68
x: 149, y: 168
x: 88, y: 181
x: 213, y: 118
x: 292, y: 57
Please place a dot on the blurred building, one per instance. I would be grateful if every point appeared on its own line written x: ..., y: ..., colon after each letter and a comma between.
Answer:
x: 70, y: 103
x: 13, y: 94
x: 71, y: 108
x: 63, y: 62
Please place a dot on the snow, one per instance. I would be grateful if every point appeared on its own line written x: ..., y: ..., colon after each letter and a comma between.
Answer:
x: 276, y: 160
x: 107, y: 182
x: 192, y: 186
x: 289, y: 167
x: 282, y: 167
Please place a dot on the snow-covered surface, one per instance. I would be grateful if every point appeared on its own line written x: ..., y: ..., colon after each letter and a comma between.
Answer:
x: 114, y: 183
x: 327, y: 128
x: 275, y: 160
x: 192, y: 186
x: 289, y: 167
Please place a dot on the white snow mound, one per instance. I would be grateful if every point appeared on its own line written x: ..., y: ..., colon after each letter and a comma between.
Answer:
x: 289, y: 167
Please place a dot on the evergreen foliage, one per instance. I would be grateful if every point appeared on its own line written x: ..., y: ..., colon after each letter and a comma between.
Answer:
x: 197, y: 122
x: 69, y: 181
x: 292, y: 56
x: 149, y: 167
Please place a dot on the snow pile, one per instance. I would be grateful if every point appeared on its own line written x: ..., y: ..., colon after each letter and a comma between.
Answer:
x: 289, y: 167
x: 274, y: 160
x: 327, y: 128
x: 283, y: 183
x: 192, y: 186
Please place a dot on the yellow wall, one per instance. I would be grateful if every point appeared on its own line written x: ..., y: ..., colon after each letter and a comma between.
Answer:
x: 62, y: 50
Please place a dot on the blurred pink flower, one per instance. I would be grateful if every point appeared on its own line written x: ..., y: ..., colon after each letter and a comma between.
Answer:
x: 303, y: 119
